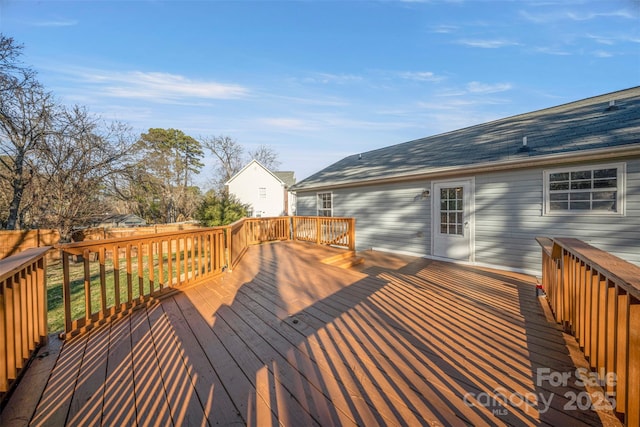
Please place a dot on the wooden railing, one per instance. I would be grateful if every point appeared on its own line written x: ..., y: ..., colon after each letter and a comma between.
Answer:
x: 237, y: 242
x: 596, y: 297
x: 325, y: 230
x: 23, y: 311
x: 261, y: 230
x: 102, y: 279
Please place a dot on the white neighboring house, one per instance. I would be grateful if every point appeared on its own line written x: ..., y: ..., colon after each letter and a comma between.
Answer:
x: 267, y: 193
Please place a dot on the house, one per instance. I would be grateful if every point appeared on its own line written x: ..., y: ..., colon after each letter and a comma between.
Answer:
x: 119, y: 220
x: 267, y: 193
x: 481, y: 194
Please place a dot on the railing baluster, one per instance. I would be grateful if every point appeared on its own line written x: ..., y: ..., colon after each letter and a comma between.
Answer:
x: 596, y: 296
x: 13, y: 359
x: 87, y: 286
x: 23, y: 315
x: 170, y: 245
x: 5, y: 363
x: 128, y: 256
x: 161, y: 264
x: 623, y: 350
x: 610, y: 334
x: 116, y: 275
x: 103, y: 281
x: 66, y: 291
x: 191, y: 255
x: 633, y: 376
x: 140, y: 265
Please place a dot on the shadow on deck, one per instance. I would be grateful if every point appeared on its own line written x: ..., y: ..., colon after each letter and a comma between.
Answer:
x: 287, y: 340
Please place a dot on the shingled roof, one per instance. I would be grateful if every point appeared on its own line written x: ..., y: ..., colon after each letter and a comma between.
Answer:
x: 601, y: 122
x: 288, y: 177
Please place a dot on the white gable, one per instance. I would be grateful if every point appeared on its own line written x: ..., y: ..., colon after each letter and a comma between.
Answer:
x: 256, y: 186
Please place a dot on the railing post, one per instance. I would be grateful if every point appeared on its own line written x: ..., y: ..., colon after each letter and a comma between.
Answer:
x: 66, y: 290
x: 633, y: 373
x: 227, y: 246
x: 318, y: 230
x: 352, y: 234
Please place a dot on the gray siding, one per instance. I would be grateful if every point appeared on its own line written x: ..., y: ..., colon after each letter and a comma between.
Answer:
x: 392, y: 217
x: 508, y: 217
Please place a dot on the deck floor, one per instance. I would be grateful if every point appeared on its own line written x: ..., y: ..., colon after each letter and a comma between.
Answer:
x: 287, y: 340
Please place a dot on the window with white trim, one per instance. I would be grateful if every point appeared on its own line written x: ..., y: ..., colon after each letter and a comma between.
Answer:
x: 594, y: 190
x: 325, y: 204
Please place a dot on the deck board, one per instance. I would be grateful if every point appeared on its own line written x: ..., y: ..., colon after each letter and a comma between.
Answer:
x: 285, y: 340
x: 119, y: 392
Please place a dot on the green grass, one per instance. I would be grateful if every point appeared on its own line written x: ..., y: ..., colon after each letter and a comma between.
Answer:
x: 55, y: 302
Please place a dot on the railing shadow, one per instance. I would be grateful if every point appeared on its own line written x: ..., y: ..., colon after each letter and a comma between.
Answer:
x: 287, y: 340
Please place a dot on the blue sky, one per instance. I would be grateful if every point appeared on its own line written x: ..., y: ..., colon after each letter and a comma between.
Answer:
x: 319, y: 80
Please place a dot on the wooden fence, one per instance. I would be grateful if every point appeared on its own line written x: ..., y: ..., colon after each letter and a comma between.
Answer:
x: 23, y: 311
x: 15, y: 241
x: 596, y: 297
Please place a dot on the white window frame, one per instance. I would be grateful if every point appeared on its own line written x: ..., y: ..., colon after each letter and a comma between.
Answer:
x: 319, y: 207
x: 620, y: 195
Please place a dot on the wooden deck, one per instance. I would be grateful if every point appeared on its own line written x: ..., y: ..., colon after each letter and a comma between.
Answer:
x: 287, y: 340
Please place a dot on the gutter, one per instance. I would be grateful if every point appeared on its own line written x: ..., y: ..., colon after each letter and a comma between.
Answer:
x: 629, y: 150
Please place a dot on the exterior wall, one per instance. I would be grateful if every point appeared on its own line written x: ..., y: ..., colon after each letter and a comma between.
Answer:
x: 246, y: 187
x: 508, y: 217
x: 392, y: 217
x: 291, y: 205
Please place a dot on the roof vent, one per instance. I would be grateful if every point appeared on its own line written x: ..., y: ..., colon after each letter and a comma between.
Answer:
x: 360, y: 156
x: 525, y: 146
x: 612, y: 106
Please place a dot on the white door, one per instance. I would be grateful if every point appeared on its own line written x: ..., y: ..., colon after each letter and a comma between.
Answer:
x: 452, y: 220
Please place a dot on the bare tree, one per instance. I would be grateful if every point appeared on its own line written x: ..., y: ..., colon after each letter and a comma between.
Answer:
x: 267, y: 156
x: 26, y: 117
x: 74, y: 168
x: 13, y: 73
x: 230, y: 155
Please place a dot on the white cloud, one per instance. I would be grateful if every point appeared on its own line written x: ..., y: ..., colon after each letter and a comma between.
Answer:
x: 587, y: 16
x: 423, y: 76
x: 487, y: 44
x: 163, y: 84
x: 601, y: 40
x: 602, y: 54
x: 478, y: 87
x: 288, y: 123
x: 444, y: 29
x: 545, y: 18
x: 155, y: 86
x: 552, y: 51
x: 55, y: 23
x: 326, y: 78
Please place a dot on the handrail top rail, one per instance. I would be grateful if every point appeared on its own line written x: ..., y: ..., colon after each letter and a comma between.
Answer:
x: 338, y: 218
x: 134, y: 238
x: 546, y: 244
x: 239, y: 222
x: 14, y: 263
x: 625, y: 273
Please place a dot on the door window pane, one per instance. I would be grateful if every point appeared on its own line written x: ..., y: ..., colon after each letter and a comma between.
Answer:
x: 452, y: 210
